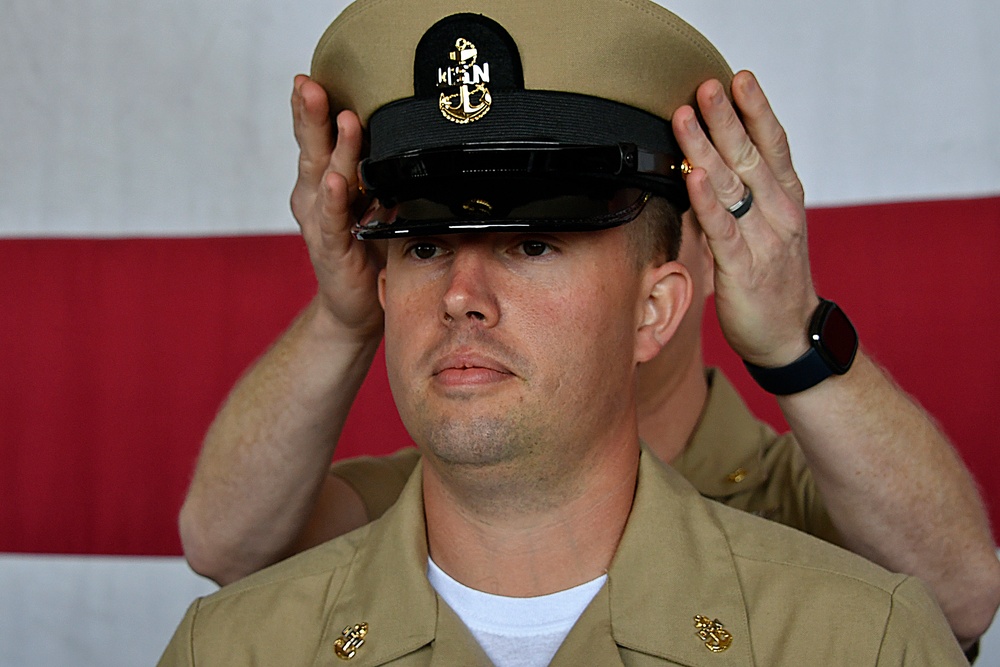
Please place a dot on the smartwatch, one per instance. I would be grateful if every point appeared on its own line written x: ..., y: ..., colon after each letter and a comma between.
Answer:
x: 833, y: 344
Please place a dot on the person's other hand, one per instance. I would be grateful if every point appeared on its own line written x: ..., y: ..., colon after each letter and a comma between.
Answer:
x: 763, y: 285
x: 323, y: 200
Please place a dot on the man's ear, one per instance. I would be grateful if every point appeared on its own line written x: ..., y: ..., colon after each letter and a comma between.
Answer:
x: 666, y: 296
x: 381, y: 287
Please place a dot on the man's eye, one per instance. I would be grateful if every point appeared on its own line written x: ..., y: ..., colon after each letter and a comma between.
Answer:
x: 424, y: 250
x: 534, y: 248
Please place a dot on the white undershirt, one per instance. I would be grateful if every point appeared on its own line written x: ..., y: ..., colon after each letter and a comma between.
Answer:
x: 515, y: 632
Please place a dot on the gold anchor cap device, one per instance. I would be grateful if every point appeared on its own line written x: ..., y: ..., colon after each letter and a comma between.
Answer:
x: 514, y: 115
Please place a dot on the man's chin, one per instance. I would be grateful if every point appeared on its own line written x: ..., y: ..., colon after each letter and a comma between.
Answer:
x: 477, y: 442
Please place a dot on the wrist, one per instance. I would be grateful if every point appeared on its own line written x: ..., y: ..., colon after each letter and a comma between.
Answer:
x: 779, y: 339
x: 326, y: 328
x: 832, y: 345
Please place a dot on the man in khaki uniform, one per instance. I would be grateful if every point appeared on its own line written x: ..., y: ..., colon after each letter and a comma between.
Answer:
x: 261, y: 492
x: 532, y: 218
x: 707, y: 589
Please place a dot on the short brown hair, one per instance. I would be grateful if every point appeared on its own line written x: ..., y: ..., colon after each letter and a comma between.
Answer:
x: 655, y: 236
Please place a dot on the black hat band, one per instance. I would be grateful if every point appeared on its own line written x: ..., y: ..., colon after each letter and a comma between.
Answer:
x: 519, y: 115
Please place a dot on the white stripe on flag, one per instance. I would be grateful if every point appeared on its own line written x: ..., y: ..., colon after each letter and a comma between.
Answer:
x: 171, y: 119
x: 108, y: 612
x: 70, y: 611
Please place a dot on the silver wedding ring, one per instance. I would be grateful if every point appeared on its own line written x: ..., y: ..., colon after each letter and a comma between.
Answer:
x: 740, y: 208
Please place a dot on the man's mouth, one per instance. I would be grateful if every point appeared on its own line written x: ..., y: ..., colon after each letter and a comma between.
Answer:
x: 468, y: 369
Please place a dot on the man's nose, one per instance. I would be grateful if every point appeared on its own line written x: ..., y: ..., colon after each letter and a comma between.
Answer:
x: 470, y: 296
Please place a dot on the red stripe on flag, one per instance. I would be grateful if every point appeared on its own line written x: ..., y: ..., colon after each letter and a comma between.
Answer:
x: 115, y: 354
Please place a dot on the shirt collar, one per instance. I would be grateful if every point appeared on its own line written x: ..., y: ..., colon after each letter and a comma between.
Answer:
x: 673, y: 563
x: 723, y: 456
x: 387, y: 585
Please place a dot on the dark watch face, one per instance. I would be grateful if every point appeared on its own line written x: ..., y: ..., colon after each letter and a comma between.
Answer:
x: 837, y: 340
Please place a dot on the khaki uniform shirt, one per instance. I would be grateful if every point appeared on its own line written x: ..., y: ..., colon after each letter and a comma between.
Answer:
x: 732, y: 457
x: 772, y: 596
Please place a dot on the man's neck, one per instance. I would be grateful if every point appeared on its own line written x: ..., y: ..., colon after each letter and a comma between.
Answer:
x: 671, y: 406
x: 538, y: 550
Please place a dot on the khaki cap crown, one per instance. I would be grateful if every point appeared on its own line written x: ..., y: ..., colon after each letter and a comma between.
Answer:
x: 630, y: 51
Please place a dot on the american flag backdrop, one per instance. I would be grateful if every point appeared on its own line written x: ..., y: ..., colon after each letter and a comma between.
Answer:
x: 147, y: 256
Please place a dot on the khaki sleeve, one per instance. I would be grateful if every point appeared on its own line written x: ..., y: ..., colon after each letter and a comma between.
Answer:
x: 378, y: 480
x: 791, y: 490
x: 916, y: 632
x: 180, y: 650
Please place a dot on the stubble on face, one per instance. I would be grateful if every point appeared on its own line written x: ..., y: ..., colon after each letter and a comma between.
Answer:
x: 514, y: 448
x: 478, y: 426
x: 563, y: 342
x: 507, y: 460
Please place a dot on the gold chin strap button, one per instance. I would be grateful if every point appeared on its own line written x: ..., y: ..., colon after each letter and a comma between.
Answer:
x: 717, y: 639
x: 684, y: 167
x: 738, y: 475
x: 350, y: 640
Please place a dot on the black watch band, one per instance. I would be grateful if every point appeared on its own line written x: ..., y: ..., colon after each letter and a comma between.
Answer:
x: 833, y: 344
